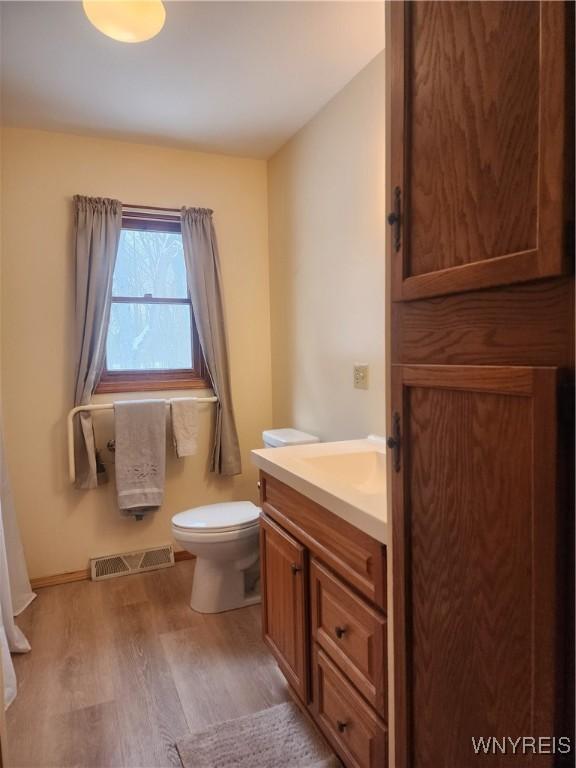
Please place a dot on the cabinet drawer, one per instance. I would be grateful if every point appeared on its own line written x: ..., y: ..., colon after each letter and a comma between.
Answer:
x: 357, y: 557
x: 357, y: 734
x: 352, y: 633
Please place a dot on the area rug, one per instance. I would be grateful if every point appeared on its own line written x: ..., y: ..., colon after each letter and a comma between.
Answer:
x: 279, y: 737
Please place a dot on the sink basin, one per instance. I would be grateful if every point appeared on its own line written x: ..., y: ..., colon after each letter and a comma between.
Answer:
x: 365, y: 472
x: 347, y: 478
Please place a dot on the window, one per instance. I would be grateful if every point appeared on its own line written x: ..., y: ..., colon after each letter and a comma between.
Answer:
x: 152, y: 340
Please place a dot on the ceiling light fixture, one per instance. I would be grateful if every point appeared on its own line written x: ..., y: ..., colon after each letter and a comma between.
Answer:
x: 130, y: 21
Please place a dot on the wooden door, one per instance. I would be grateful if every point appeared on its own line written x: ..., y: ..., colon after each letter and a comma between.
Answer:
x: 482, y: 346
x: 476, y: 548
x: 284, y: 568
x: 478, y: 134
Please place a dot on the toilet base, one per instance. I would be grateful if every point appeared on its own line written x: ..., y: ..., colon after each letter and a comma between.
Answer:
x: 216, y: 588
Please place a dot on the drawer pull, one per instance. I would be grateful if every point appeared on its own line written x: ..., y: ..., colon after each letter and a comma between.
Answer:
x: 340, y: 632
x: 341, y: 725
x: 295, y: 568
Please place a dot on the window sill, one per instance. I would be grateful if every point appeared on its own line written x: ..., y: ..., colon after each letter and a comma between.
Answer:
x: 138, y: 383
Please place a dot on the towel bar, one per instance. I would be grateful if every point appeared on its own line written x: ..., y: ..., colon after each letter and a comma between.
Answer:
x: 103, y: 407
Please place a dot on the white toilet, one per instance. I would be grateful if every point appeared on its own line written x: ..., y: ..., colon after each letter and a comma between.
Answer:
x: 224, y: 539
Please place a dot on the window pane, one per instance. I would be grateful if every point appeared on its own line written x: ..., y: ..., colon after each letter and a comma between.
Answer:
x: 150, y: 262
x: 143, y: 337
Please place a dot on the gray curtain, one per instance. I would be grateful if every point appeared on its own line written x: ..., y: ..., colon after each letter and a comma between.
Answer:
x: 205, y: 285
x: 98, y: 222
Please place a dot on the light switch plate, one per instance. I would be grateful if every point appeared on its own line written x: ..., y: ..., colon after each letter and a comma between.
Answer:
x: 360, y: 376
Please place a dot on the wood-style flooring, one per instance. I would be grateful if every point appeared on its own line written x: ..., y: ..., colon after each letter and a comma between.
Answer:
x: 121, y: 669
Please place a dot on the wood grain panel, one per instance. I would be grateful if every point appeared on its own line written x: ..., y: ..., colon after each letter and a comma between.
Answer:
x: 479, y: 137
x: 352, y: 633
x: 476, y: 549
x: 529, y: 324
x: 284, y: 607
x: 508, y: 380
x: 357, y: 734
x: 478, y: 155
x: 357, y: 557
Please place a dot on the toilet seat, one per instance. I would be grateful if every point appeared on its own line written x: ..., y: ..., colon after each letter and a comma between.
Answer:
x: 228, y: 517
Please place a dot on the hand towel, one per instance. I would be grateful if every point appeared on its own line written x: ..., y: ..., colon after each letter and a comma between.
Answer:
x: 140, y: 427
x: 184, y: 425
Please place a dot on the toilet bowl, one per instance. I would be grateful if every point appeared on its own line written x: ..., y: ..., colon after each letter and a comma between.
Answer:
x: 224, y: 539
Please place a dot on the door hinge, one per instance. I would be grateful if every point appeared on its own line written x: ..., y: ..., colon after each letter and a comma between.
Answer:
x: 395, y: 218
x: 394, y: 441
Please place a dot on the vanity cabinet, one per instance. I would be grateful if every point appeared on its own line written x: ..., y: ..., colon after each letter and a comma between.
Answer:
x: 324, y: 619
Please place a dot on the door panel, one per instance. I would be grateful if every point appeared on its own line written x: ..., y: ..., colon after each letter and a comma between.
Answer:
x: 474, y: 536
x: 284, y: 587
x: 478, y: 144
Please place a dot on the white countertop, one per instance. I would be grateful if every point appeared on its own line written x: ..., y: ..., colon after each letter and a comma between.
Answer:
x: 348, y: 478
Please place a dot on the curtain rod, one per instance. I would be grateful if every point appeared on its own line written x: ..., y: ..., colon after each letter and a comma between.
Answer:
x: 150, y: 208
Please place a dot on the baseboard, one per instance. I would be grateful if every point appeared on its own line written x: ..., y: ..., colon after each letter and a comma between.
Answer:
x: 60, y: 578
x: 70, y: 576
x: 183, y: 555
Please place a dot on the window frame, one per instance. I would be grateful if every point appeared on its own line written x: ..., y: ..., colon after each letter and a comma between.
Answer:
x: 157, y: 379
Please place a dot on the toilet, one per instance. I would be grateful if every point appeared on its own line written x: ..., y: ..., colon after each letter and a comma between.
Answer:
x: 224, y: 538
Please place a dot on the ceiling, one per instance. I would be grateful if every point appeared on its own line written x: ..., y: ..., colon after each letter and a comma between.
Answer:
x: 232, y: 77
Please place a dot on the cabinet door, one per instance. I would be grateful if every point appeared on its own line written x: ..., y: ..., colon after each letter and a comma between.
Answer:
x: 475, y: 561
x: 284, y: 590
x: 478, y: 144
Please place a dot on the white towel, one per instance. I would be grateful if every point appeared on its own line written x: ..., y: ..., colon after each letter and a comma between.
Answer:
x: 140, y: 427
x: 184, y: 425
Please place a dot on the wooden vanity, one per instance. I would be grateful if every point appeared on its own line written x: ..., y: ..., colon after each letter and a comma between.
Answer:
x: 324, y: 619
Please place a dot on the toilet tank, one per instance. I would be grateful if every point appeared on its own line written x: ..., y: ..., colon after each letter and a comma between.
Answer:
x: 279, y: 438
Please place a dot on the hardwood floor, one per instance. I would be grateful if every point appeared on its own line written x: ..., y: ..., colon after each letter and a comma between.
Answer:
x: 122, y: 669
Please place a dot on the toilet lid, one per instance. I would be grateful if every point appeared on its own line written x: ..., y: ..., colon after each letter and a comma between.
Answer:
x: 230, y: 516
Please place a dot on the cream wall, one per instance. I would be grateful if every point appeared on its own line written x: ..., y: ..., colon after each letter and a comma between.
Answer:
x: 62, y: 527
x: 327, y: 265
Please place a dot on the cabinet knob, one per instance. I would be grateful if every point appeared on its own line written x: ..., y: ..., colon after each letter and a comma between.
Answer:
x: 341, y: 725
x: 340, y: 632
x: 295, y: 568
x: 258, y: 485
